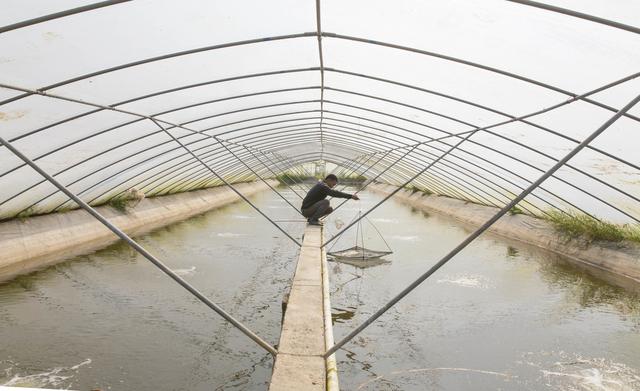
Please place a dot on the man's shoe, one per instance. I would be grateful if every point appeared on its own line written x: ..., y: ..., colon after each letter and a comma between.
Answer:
x: 314, y: 222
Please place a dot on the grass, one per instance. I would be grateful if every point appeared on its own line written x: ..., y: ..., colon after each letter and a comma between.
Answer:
x: 352, y: 178
x: 415, y: 189
x: 580, y: 225
x: 27, y: 213
x: 119, y: 203
x: 288, y: 178
x: 516, y: 211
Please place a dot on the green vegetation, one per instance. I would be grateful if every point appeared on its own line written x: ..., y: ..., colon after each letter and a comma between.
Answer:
x: 27, y: 213
x: 516, y: 211
x: 580, y: 225
x: 352, y: 179
x: 415, y: 189
x: 289, y: 178
x: 119, y: 203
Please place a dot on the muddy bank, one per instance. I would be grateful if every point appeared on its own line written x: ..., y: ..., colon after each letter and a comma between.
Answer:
x: 620, y: 259
x: 40, y: 241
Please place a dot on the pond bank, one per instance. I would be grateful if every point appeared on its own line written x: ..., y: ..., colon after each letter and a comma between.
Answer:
x: 620, y: 259
x: 39, y: 241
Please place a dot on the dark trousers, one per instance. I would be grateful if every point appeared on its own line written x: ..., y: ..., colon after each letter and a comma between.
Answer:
x: 317, y: 210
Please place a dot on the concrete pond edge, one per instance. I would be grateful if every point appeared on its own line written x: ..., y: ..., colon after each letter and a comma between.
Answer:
x: 620, y: 259
x: 36, y: 242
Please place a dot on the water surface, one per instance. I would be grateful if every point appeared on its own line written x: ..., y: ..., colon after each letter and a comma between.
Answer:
x: 500, y: 315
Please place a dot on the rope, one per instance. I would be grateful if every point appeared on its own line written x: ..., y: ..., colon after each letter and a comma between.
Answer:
x: 340, y: 235
x: 379, y: 234
x: 361, y: 234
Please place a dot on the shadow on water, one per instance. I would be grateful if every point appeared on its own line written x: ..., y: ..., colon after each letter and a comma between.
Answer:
x: 360, y: 263
x: 341, y: 315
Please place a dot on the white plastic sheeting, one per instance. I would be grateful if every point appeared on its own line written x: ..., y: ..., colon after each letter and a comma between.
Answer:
x: 76, y: 92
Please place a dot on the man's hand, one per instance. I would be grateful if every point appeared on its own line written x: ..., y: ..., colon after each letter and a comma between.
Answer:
x: 355, y: 197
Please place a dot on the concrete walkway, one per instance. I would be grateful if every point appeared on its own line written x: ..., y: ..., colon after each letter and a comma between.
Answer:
x: 300, y: 364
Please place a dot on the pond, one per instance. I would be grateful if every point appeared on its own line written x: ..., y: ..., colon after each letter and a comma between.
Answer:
x: 500, y: 315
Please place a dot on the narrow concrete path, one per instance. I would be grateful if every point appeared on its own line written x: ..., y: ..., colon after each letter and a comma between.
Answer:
x: 300, y: 364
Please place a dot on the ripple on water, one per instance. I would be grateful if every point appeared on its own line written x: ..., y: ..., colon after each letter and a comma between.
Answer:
x: 406, y: 238
x: 14, y: 376
x: 242, y: 217
x: 185, y: 272
x: 385, y: 221
x: 467, y: 280
x: 571, y: 371
x: 229, y: 235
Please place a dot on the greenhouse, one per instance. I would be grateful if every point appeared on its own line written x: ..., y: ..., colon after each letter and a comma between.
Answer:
x: 320, y: 195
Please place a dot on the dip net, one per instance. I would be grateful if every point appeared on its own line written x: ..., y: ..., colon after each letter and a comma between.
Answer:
x: 359, y: 251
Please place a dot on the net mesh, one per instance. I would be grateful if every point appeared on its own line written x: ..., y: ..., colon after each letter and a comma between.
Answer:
x: 357, y: 252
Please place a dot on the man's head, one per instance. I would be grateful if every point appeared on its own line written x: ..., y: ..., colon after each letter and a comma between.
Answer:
x: 331, y: 180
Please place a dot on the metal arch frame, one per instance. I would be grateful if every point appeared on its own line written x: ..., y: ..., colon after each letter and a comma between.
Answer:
x: 580, y: 15
x: 127, y: 169
x: 597, y: 179
x: 296, y: 119
x: 347, y: 130
x: 359, y: 75
x: 510, y: 157
x: 475, y: 65
x: 444, y: 191
x: 214, y: 172
x: 265, y: 345
x: 335, y: 36
x: 343, y: 141
x: 465, y: 196
x: 483, y: 228
x: 592, y: 177
x: 160, y: 58
x: 61, y: 14
x: 124, y: 170
x: 321, y: 58
x: 449, y: 256
x: 627, y: 162
x: 222, y: 142
x: 583, y: 172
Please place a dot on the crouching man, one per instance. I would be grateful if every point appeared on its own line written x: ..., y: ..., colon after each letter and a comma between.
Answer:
x: 315, y: 206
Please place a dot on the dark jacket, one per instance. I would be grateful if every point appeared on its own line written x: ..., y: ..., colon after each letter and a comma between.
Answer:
x: 319, y: 192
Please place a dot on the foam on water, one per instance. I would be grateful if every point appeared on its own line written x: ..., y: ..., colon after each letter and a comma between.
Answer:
x: 577, y: 373
x: 405, y: 373
x: 383, y: 220
x: 469, y: 281
x: 229, y: 235
x: 51, y: 378
x: 185, y: 272
x: 408, y: 238
x: 242, y: 217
